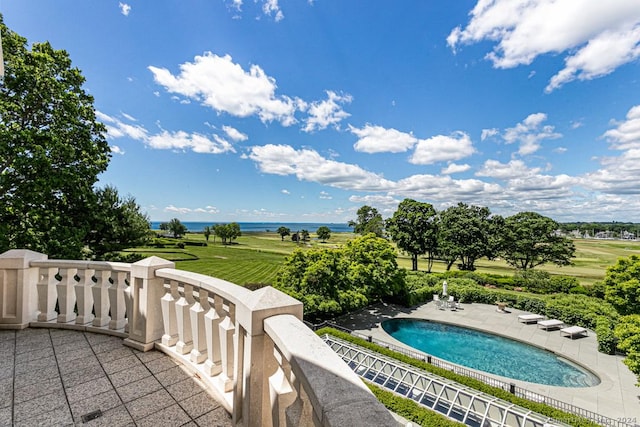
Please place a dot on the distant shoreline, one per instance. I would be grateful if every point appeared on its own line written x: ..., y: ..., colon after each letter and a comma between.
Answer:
x: 262, y: 227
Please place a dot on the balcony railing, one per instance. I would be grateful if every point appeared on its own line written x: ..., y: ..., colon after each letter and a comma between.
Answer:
x: 251, y: 348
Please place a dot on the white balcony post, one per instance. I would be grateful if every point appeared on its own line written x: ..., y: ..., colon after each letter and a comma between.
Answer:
x: 116, y: 300
x: 84, y: 297
x: 47, y: 294
x: 197, y: 312
x: 18, y: 293
x: 100, y: 290
x: 255, y: 364
x: 185, y: 338
x: 228, y: 350
x: 213, y: 364
x: 66, y: 295
x: 170, y: 336
x: 147, y: 290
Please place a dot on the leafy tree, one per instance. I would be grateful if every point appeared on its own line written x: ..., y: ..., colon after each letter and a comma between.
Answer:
x: 207, y: 232
x: 52, y: 150
x: 304, y: 235
x: 530, y: 239
x: 227, y: 232
x: 622, y: 285
x: 283, y: 231
x: 176, y: 228
x: 369, y: 221
x: 324, y: 233
x: 465, y: 233
x: 414, y: 228
x: 233, y: 231
x: 117, y: 224
x: 627, y: 331
x: 164, y: 226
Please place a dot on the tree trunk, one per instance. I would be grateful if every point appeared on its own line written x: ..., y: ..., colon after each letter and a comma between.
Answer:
x: 414, y: 262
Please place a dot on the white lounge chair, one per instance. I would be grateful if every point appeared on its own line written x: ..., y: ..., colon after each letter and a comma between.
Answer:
x: 573, y: 331
x: 530, y: 318
x: 439, y: 303
x: 550, y: 324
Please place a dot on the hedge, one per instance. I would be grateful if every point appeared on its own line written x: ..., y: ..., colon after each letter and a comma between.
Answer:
x: 540, y: 408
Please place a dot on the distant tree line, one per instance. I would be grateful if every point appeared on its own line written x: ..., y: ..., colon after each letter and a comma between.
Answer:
x: 591, y: 229
x: 465, y: 233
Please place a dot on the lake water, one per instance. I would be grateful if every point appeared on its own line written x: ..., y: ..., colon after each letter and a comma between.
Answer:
x: 248, y: 227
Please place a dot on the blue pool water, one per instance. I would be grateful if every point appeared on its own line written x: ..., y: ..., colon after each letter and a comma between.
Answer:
x: 489, y: 353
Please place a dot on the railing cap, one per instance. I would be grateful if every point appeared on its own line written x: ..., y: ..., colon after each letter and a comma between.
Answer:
x: 146, y: 268
x: 20, y: 258
x: 266, y: 302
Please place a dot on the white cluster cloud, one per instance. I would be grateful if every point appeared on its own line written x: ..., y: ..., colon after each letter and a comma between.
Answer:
x: 441, y: 148
x: 186, y: 211
x: 219, y: 83
x: 376, y: 139
x: 124, y: 8
x: 272, y: 8
x: 528, y: 133
x: 608, y: 35
x: 165, y: 140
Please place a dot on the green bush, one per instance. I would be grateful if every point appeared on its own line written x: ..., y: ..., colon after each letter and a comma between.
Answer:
x: 180, y: 245
x: 607, y: 340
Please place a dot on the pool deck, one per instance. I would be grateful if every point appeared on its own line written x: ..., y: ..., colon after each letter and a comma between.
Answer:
x: 616, y: 396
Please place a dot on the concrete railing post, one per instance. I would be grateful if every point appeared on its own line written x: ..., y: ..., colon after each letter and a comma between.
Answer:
x: 147, y: 290
x: 255, y: 359
x: 18, y: 292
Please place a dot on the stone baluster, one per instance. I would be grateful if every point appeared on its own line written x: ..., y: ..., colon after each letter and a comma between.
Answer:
x: 84, y: 297
x: 145, y: 315
x: 47, y: 294
x: 281, y: 393
x: 197, y: 312
x: 116, y: 300
x: 66, y: 295
x: 227, y: 348
x: 212, y: 320
x: 185, y: 337
x: 300, y: 412
x: 128, y: 303
x: 100, y: 291
x: 170, y: 337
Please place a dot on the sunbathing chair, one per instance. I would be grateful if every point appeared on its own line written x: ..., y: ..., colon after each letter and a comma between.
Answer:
x: 573, y: 331
x: 530, y: 318
x: 550, y: 324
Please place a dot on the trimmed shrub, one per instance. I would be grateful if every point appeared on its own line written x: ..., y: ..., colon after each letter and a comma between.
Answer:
x: 607, y: 340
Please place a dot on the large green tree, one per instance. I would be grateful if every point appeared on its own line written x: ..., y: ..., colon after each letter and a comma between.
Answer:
x: 622, y: 285
x: 369, y: 221
x: 414, y: 228
x: 324, y: 233
x: 52, y: 150
x: 117, y: 224
x: 283, y: 231
x: 177, y: 228
x: 466, y: 233
x: 530, y: 239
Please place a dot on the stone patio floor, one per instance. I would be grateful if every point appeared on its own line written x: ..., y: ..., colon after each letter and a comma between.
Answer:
x: 58, y: 377
x: 617, y: 396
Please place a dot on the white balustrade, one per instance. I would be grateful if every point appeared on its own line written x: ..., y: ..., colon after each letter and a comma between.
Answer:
x: 251, y: 349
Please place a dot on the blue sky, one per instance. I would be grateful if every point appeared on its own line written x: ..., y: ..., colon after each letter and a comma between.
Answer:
x: 304, y: 111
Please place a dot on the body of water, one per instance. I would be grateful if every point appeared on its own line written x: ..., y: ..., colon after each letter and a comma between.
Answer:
x: 248, y: 227
x: 489, y: 353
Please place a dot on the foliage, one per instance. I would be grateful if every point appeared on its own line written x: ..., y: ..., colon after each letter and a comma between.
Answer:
x: 304, y: 235
x: 622, y: 285
x: 414, y: 228
x: 117, y: 224
x: 283, y: 231
x: 461, y: 379
x: 628, y: 333
x: 607, y: 340
x: 207, y: 232
x: 410, y: 409
x: 529, y: 239
x: 177, y: 228
x: 53, y: 149
x: 333, y: 281
x: 466, y: 233
x: 369, y: 221
x: 323, y: 233
x: 227, y: 232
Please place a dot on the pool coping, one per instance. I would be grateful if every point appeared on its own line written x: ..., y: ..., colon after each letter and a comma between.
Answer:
x: 616, y: 396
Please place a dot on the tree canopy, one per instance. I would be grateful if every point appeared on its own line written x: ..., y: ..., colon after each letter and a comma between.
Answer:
x: 324, y: 233
x: 52, y: 150
x: 414, y: 228
x: 369, y: 221
x: 176, y: 227
x: 530, y: 239
x: 227, y: 232
x: 283, y: 231
x: 622, y: 285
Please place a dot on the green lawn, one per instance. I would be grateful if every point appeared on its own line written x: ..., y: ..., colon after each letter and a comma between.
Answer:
x: 256, y: 257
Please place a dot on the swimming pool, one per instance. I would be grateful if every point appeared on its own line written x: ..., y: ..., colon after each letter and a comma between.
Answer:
x: 489, y: 353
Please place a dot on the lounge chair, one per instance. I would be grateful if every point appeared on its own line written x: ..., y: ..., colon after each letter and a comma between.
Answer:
x: 439, y: 302
x: 573, y: 331
x: 530, y: 318
x: 550, y: 324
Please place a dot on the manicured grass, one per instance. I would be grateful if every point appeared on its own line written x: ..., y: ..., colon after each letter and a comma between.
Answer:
x: 256, y: 257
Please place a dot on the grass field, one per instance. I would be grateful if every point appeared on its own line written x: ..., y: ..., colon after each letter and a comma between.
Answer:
x: 256, y: 257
